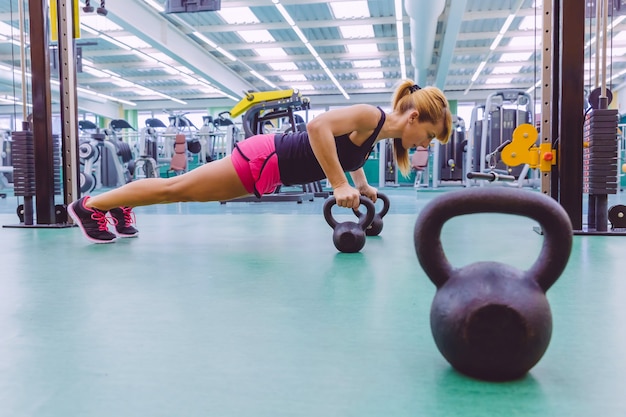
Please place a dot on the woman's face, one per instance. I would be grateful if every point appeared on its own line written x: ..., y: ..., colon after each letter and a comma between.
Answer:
x: 418, y: 133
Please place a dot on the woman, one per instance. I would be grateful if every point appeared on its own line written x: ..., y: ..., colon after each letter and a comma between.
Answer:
x: 335, y: 142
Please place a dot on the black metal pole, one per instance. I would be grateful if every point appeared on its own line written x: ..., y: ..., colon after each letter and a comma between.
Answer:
x: 42, y: 114
x: 571, y: 105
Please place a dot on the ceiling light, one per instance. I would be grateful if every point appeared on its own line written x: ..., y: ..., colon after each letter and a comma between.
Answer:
x: 374, y: 85
x: 498, y: 80
x: 367, y: 63
x: 349, y: 9
x: 370, y: 75
x: 310, y: 47
x: 506, y: 69
x: 515, y: 57
x: 155, y: 5
x: 357, y: 31
x: 366, y: 48
x: 271, y: 52
x: 293, y: 77
x: 238, y: 15
x: 283, y: 66
x: 205, y: 39
x: 256, y: 36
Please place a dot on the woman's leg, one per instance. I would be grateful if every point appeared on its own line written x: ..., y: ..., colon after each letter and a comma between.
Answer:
x: 215, y: 181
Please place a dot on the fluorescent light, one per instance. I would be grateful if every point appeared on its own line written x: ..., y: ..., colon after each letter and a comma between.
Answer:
x: 515, y: 56
x: 371, y: 75
x: 496, y: 42
x: 498, y: 80
x: 506, y: 69
x: 293, y: 77
x: 256, y: 36
x: 367, y: 63
x: 310, y: 47
x: 226, y: 53
x: 155, y: 5
x: 89, y: 29
x: 357, y: 31
x: 271, y: 52
x: 374, y: 85
x: 238, y: 15
x: 479, y: 70
x: 362, y: 48
x: 205, y: 39
x: 507, y: 23
x: 283, y: 66
x: 284, y: 13
x: 400, y: 36
x: 349, y: 9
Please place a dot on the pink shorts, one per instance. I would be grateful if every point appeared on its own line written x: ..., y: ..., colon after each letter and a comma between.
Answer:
x: 256, y: 164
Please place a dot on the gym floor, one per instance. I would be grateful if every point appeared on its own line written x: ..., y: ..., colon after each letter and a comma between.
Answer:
x: 248, y: 310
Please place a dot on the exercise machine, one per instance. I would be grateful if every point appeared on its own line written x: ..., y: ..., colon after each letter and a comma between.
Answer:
x: 146, y: 165
x: 450, y: 165
x: 501, y: 114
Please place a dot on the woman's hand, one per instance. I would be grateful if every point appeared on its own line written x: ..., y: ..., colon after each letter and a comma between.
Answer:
x: 369, y: 192
x: 347, y: 196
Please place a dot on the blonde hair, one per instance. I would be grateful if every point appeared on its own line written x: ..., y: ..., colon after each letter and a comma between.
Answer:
x: 432, y: 106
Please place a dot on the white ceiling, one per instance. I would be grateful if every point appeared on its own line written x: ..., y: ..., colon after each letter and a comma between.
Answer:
x: 139, y: 57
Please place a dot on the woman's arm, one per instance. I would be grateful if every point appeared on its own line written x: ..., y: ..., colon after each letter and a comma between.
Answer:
x: 322, y: 131
x: 361, y: 184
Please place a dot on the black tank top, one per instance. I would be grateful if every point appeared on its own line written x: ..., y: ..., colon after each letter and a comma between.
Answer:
x: 298, y: 164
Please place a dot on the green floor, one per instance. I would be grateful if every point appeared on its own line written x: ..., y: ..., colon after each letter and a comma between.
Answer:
x: 248, y: 310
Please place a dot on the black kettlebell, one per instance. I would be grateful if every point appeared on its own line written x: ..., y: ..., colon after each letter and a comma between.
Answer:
x: 376, y: 226
x: 490, y: 320
x: 349, y: 236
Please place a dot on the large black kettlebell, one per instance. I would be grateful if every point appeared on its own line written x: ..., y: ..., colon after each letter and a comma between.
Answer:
x: 349, y: 236
x: 376, y: 226
x: 490, y: 320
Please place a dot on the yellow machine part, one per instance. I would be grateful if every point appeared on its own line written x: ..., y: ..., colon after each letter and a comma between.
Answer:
x: 518, y: 151
x: 259, y: 97
x: 522, y: 150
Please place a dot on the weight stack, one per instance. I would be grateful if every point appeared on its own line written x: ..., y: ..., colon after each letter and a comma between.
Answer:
x: 600, y: 156
x: 23, y: 153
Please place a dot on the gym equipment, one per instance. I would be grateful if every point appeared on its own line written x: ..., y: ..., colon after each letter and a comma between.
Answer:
x: 492, y: 176
x: 419, y: 164
x: 489, y: 320
x: 259, y: 109
x: 449, y: 160
x: 146, y: 165
x: 600, y: 176
x: 178, y: 164
x: 502, y: 113
x: 376, y: 226
x: 521, y: 149
x: 617, y: 216
x: 348, y: 236
x: 106, y: 160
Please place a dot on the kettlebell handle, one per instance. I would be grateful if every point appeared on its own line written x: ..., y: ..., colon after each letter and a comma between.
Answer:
x: 364, y: 221
x: 555, y: 223
x: 383, y: 210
